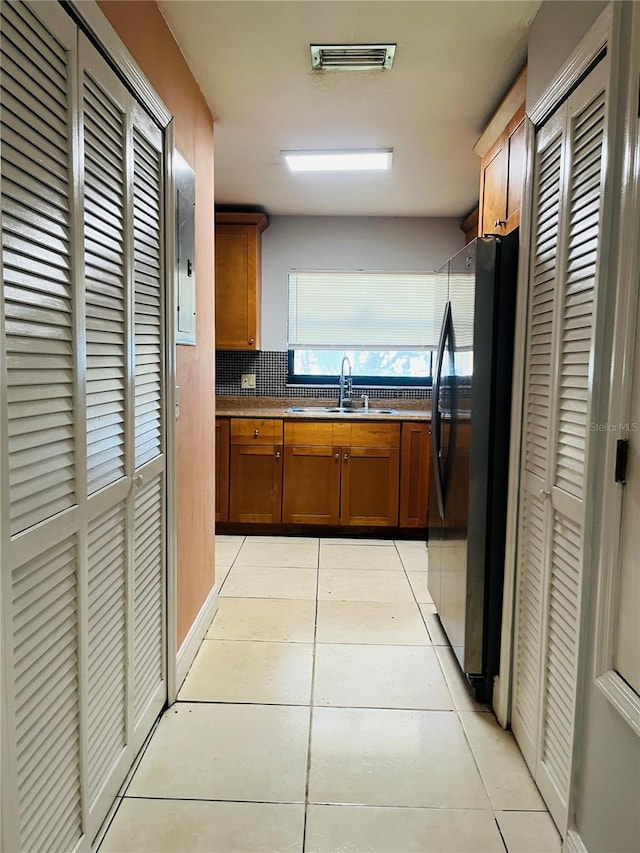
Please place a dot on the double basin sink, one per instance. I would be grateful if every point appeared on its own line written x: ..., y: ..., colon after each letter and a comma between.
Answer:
x: 339, y: 410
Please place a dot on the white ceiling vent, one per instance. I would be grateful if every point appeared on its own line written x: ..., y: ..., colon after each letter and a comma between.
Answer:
x: 351, y: 57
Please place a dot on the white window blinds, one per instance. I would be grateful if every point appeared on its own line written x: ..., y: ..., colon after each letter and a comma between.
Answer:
x: 361, y: 310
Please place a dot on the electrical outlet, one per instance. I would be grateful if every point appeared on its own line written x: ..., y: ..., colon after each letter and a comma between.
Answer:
x: 248, y: 380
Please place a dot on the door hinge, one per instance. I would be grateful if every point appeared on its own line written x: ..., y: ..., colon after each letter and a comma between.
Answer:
x: 622, y: 457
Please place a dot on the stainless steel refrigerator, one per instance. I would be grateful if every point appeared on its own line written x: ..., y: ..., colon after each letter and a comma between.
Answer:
x: 471, y: 404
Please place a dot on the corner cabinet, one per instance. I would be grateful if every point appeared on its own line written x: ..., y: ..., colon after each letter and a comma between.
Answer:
x: 238, y: 244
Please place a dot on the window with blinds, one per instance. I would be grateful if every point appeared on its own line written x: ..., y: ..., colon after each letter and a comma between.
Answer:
x: 383, y: 321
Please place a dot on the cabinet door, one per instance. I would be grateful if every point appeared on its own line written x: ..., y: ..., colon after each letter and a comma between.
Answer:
x: 311, y: 487
x: 501, y: 178
x: 235, y: 270
x: 222, y: 469
x: 515, y: 177
x: 414, y: 474
x: 369, y: 494
x: 256, y: 483
x: 493, y: 189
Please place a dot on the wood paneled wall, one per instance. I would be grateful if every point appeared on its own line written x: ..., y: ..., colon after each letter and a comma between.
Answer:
x: 146, y: 35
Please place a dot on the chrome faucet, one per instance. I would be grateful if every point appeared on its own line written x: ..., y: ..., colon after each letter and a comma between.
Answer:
x: 345, y: 385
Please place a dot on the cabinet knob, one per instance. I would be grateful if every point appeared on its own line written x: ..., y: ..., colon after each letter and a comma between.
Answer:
x: 544, y: 494
x: 277, y: 454
x: 251, y: 341
x: 346, y: 457
x: 256, y: 433
x: 337, y: 457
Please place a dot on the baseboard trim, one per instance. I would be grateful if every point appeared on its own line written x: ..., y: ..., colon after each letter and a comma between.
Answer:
x: 189, y: 648
x: 573, y: 843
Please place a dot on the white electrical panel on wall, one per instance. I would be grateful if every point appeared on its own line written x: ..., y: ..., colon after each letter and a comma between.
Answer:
x: 185, y: 180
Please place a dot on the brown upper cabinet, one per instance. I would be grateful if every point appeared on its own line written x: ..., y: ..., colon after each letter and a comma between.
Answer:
x: 502, y: 149
x: 238, y: 277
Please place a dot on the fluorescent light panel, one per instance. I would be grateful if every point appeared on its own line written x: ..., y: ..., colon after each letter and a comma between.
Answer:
x: 339, y: 161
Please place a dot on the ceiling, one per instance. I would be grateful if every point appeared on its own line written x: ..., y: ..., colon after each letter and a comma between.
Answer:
x: 453, y: 64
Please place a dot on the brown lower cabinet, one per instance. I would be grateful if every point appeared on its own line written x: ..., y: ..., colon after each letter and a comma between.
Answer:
x: 255, y: 471
x: 328, y: 473
x: 341, y: 473
x: 415, y: 463
x: 311, y: 487
x: 222, y: 469
x: 369, y: 489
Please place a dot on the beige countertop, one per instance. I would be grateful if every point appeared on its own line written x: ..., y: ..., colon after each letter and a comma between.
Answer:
x: 315, y: 409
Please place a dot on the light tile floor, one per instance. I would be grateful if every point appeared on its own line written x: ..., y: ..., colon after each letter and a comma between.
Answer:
x: 325, y: 713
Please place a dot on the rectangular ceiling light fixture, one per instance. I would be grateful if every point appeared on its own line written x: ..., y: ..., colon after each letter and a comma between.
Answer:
x: 373, y: 160
x: 352, y: 57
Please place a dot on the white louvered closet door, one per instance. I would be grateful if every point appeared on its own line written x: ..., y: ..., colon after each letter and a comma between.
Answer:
x: 562, y: 298
x: 82, y: 506
x: 106, y: 214
x: 41, y: 441
x: 126, y: 684
x: 149, y: 587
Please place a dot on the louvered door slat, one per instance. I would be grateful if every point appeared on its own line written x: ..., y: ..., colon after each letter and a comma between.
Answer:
x: 37, y: 299
x: 148, y: 594
x: 530, y: 594
x: 538, y: 385
x: 45, y: 653
x: 104, y: 252
x: 577, y: 310
x: 562, y: 649
x: 148, y: 299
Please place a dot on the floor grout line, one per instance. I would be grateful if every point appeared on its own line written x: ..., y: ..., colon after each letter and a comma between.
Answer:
x: 311, y: 697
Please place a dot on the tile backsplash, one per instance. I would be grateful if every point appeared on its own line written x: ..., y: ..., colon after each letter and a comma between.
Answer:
x: 270, y: 369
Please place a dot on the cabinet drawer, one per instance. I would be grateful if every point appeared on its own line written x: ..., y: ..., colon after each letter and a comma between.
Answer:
x: 317, y: 433
x: 375, y: 435
x: 256, y: 431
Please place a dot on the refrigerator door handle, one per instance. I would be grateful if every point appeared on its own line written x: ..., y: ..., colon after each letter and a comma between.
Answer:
x: 435, y: 410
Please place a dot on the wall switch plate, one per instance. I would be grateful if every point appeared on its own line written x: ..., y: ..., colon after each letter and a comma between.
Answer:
x: 248, y: 380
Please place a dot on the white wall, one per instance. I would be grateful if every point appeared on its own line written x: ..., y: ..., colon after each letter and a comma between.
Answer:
x: 554, y: 33
x: 345, y: 243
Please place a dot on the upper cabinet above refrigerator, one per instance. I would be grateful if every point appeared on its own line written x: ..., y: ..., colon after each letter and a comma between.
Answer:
x: 501, y: 147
